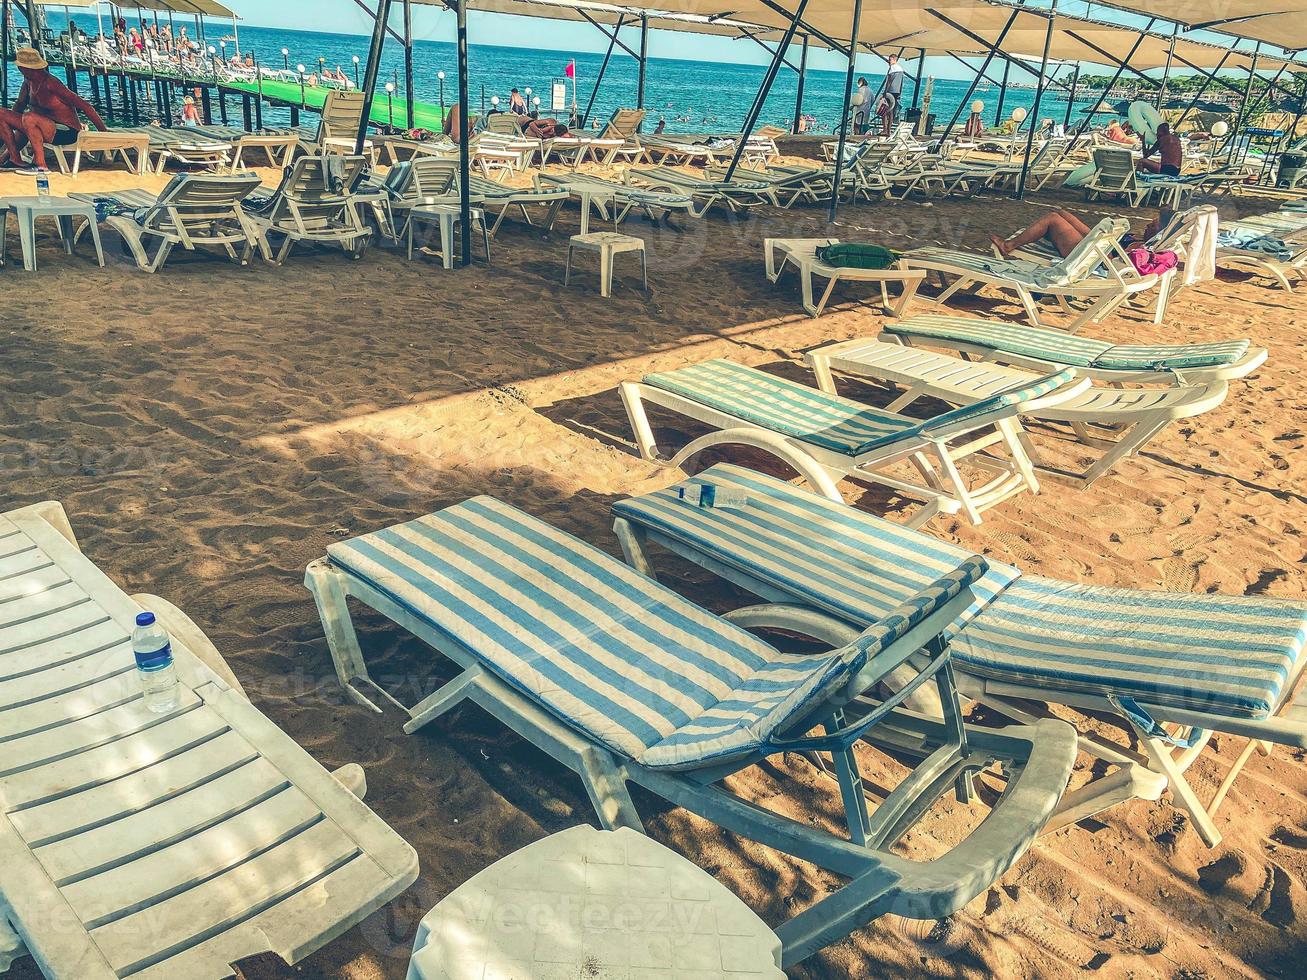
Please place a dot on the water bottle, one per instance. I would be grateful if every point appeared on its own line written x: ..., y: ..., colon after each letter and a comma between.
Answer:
x: 153, y: 650
x: 42, y: 185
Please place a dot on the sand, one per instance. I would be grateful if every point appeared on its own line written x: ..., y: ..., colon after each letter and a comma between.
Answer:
x: 211, y: 430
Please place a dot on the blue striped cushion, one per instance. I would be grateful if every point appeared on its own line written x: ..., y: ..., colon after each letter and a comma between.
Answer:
x: 1012, y: 338
x: 829, y: 421
x: 608, y: 651
x: 838, y: 559
x: 1230, y: 654
x: 1159, y: 357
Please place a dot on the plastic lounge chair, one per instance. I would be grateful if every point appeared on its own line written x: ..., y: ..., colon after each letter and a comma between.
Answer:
x: 1097, y: 273
x: 157, y: 845
x: 623, y: 681
x: 498, y: 196
x: 827, y: 438
x: 193, y: 210
x: 625, y: 126
x: 1048, y: 350
x: 1118, y: 421
x: 610, y: 198
x: 737, y: 194
x: 1262, y: 255
x: 1115, y: 176
x: 670, y: 149
x: 1195, y: 663
x: 801, y: 253
x: 338, y: 126
x: 785, y: 188
x: 315, y: 202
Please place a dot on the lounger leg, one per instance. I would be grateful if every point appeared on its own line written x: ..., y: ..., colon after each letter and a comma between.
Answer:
x: 1134, y: 439
x: 634, y: 550
x: 851, y: 792
x: 644, y: 437
x: 1159, y: 752
x: 441, y: 700
x: 821, y: 370
x: 605, y: 783
x: 328, y: 591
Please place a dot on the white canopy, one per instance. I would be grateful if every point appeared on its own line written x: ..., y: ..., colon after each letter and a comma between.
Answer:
x: 1279, y: 22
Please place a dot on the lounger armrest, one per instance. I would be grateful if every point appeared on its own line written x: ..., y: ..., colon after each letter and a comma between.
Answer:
x: 1042, y: 756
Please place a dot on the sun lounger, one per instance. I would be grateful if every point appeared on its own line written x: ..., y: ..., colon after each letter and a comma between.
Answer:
x: 314, y: 203
x: 801, y: 253
x: 1118, y: 421
x: 738, y: 193
x: 785, y: 188
x: 680, y: 150
x: 827, y: 438
x: 1097, y: 274
x: 492, y: 196
x: 1250, y: 250
x: 157, y: 845
x: 193, y: 210
x: 338, y: 126
x: 1198, y: 663
x: 1049, y: 350
x: 625, y: 126
x: 624, y: 681
x: 1115, y: 176
x: 610, y: 198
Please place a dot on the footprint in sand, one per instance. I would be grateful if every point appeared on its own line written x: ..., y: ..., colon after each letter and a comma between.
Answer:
x: 1122, y: 520
x: 1179, y: 575
x: 1018, y: 547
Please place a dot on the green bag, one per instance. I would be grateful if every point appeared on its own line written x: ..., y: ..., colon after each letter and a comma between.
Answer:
x: 857, y: 255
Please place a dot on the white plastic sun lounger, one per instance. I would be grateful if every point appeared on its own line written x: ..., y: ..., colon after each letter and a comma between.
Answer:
x: 1096, y: 272
x: 611, y: 199
x: 801, y: 253
x: 314, y: 203
x: 737, y: 194
x: 143, y: 845
x: 1048, y: 350
x: 193, y: 210
x: 1173, y: 667
x: 1118, y: 421
x: 624, y: 681
x: 827, y: 438
x: 1265, y: 255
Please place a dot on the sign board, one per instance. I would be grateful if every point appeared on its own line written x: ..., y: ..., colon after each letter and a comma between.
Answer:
x: 558, y: 96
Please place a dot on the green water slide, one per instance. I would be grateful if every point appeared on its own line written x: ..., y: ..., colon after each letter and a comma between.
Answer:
x: 425, y: 115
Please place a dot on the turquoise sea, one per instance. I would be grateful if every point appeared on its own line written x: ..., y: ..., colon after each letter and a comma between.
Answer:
x: 693, y: 96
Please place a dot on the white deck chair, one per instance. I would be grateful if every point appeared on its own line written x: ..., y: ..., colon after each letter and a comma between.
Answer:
x: 1264, y: 255
x: 1097, y: 274
x: 338, y: 126
x: 801, y: 253
x: 1048, y: 350
x: 737, y: 194
x: 827, y: 438
x: 1117, y: 421
x: 1175, y: 668
x: 157, y: 845
x: 625, y: 125
x: 193, y: 211
x: 314, y: 203
x: 1115, y: 176
x: 625, y: 682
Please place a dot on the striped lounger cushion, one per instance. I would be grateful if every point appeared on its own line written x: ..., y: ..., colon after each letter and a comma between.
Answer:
x: 1063, y: 348
x: 603, y: 648
x: 1229, y: 655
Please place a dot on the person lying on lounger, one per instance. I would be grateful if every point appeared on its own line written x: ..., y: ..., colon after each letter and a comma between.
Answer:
x: 45, y: 112
x: 1065, y: 231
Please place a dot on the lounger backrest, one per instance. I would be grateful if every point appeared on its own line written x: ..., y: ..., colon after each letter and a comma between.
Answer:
x: 1003, y: 405
x: 433, y: 177
x: 1092, y: 251
x: 624, y: 124
x: 341, y: 114
x: 1116, y: 168
x: 504, y: 123
x: 199, y: 198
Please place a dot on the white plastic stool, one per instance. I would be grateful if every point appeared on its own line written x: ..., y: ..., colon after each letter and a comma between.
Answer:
x: 593, y: 903
x: 446, y: 216
x: 607, y: 244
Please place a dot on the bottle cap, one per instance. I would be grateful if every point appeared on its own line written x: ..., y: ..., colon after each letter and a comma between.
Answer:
x: 145, y: 619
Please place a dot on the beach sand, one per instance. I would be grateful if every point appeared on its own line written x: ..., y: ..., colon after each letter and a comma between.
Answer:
x: 212, y: 429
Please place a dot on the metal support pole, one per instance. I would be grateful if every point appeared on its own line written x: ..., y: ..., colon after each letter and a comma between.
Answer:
x: 33, y: 26
x: 1247, y: 97
x: 594, y: 92
x: 1039, y: 98
x: 408, y: 60
x: 644, y: 60
x: 1071, y: 97
x: 4, y: 54
x: 916, y: 85
x: 464, y: 158
x: 1166, y: 72
x: 370, y: 74
x: 971, y: 89
x: 1002, y: 93
x: 798, y: 98
x: 846, y: 111
x: 755, y: 110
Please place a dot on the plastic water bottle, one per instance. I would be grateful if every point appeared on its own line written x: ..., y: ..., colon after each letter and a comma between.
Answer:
x: 42, y: 185
x: 153, y: 649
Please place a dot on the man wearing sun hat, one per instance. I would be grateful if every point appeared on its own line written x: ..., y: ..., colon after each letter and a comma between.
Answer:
x: 45, y: 112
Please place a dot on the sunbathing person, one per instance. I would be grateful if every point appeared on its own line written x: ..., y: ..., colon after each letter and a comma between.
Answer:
x: 45, y: 112
x: 1172, y: 154
x: 1065, y: 231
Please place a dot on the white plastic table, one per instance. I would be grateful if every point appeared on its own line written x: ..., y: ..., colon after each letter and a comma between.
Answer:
x: 594, y: 903
x: 62, y: 209
x: 608, y: 244
x: 446, y: 216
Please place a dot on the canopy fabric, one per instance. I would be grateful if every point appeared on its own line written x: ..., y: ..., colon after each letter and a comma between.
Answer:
x: 608, y: 14
x: 1279, y: 22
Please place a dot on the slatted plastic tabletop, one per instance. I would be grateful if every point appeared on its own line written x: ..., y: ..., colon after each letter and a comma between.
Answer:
x: 134, y: 844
